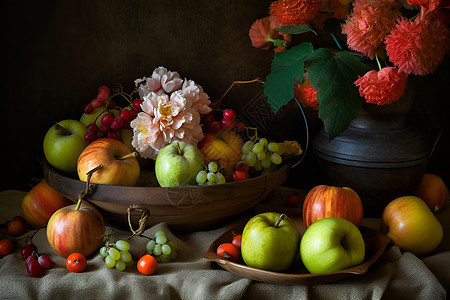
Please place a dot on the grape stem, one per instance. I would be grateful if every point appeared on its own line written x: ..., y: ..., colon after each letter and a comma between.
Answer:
x: 238, y: 82
x: 89, y: 189
x: 280, y: 218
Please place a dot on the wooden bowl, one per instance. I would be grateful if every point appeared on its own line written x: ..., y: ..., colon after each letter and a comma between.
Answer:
x: 183, y: 209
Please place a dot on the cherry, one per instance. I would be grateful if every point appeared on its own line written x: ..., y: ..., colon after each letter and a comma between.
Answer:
x: 229, y: 114
x: 240, y: 175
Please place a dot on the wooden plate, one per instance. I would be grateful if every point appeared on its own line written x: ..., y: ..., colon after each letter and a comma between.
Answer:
x: 297, y: 274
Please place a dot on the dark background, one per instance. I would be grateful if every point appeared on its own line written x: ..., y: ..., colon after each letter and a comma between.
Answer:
x: 57, y: 53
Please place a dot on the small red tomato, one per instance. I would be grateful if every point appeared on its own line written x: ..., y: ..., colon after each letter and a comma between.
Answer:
x: 240, y: 175
x: 228, y: 251
x: 147, y: 264
x: 292, y: 200
x: 16, y: 228
x: 6, y: 246
x: 241, y: 166
x: 237, y: 241
x: 76, y: 262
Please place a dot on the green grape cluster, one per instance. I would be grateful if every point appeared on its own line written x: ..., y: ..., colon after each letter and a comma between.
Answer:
x: 163, y: 249
x: 261, y: 154
x: 211, y: 175
x: 116, y: 253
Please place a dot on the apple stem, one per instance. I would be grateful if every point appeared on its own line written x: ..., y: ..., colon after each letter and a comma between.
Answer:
x: 77, y: 207
x: 179, y: 149
x: 280, y: 218
x: 134, y: 154
x: 64, y: 130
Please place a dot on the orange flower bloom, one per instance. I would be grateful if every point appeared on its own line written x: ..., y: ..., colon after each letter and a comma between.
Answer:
x: 306, y: 94
x: 263, y: 33
x: 418, y: 47
x: 369, y: 23
x: 295, y: 11
x: 382, y: 87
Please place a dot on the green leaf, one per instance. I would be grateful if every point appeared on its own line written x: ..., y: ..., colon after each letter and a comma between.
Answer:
x: 296, y: 29
x: 334, y: 77
x: 286, y: 69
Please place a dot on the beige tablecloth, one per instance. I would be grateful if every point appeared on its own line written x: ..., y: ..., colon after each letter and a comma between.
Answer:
x: 396, y: 275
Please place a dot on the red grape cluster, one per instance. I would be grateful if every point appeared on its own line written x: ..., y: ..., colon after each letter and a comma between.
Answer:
x: 34, y: 262
x: 227, y: 120
x: 110, y: 125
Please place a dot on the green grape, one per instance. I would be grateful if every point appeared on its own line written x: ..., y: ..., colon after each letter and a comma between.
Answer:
x: 166, y: 249
x: 103, y: 251
x: 149, y: 246
x: 257, y: 148
x: 109, y: 261
x: 173, y: 244
x: 159, y: 232
x: 261, y: 155
x: 258, y: 165
x: 211, y: 177
x: 120, y: 265
x: 122, y: 245
x: 161, y: 239
x: 157, y: 250
x: 125, y: 256
x: 114, y: 253
x: 212, y: 167
x: 250, y: 159
x: 280, y: 149
x: 273, y: 147
x: 266, y: 162
x: 173, y: 255
x: 220, y: 178
x: 164, y: 258
x: 243, y: 157
x: 276, y: 158
x: 247, y: 147
x: 263, y: 141
x: 201, y: 177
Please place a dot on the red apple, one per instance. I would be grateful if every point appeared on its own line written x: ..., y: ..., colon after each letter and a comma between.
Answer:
x: 330, y: 201
x: 77, y: 228
x: 120, y: 167
x: 433, y: 191
x: 410, y: 224
x: 41, y: 202
x: 224, y: 146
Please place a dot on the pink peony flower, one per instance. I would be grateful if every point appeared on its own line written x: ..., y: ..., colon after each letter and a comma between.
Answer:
x: 164, y: 120
x: 418, y: 47
x: 263, y: 33
x: 194, y: 92
x: 295, y: 11
x: 382, y: 87
x: 161, y: 81
x: 369, y: 23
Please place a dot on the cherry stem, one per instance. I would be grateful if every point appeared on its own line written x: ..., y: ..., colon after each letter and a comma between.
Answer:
x: 280, y: 218
x: 134, y: 154
x: 64, y: 130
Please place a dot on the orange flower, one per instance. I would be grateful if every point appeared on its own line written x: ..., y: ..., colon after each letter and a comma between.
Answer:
x: 295, y: 11
x: 369, y: 23
x: 263, y: 33
x: 382, y: 87
x: 306, y: 94
x: 418, y: 47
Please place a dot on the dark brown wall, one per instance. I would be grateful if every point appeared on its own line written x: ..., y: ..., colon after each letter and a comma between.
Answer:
x: 56, y: 54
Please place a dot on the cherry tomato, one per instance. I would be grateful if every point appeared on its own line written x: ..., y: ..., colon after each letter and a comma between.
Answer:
x: 241, y: 166
x: 76, y: 262
x: 237, y: 241
x: 147, y: 264
x: 240, y: 175
x: 6, y: 246
x: 228, y: 251
x: 16, y: 228
x: 292, y: 200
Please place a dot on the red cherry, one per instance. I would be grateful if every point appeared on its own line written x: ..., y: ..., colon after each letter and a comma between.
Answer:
x: 240, y: 175
x: 215, y: 127
x: 227, y: 123
x: 240, y: 127
x: 229, y: 114
x: 241, y: 166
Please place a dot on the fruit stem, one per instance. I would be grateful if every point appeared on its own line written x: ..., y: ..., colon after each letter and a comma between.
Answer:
x: 77, y: 207
x: 64, y: 130
x: 280, y: 218
x: 134, y: 154
x: 179, y: 149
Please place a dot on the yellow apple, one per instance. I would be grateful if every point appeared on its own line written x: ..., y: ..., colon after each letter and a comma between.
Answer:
x: 411, y: 225
x: 224, y: 147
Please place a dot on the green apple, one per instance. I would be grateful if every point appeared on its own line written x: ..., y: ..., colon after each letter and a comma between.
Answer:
x: 331, y: 244
x: 63, y: 143
x: 177, y: 164
x: 270, y: 241
x: 96, y: 115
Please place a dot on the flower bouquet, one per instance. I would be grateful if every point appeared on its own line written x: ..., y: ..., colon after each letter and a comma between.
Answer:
x: 402, y: 38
